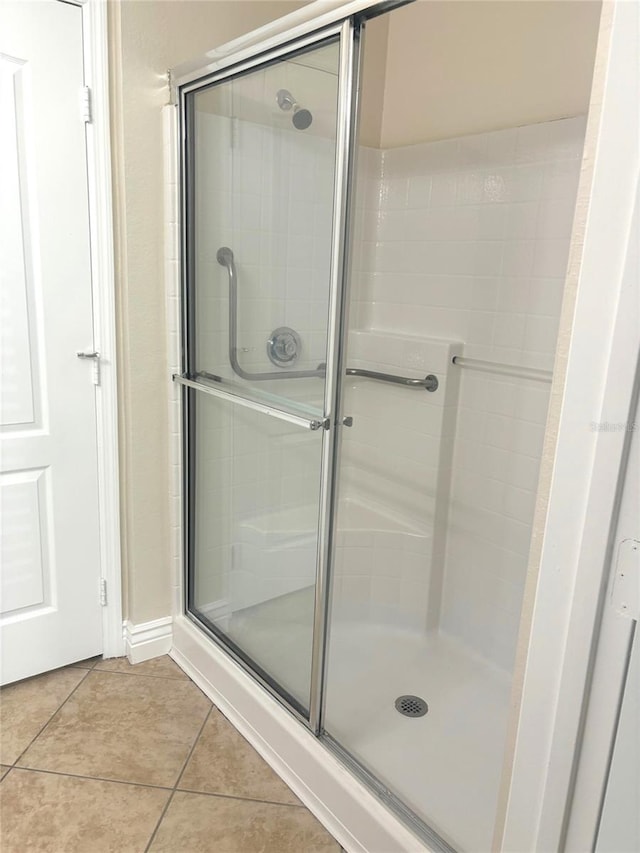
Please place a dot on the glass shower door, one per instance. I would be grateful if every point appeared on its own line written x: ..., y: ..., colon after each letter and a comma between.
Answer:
x: 259, y: 203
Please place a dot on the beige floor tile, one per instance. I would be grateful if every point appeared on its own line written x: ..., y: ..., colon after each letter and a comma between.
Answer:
x: 197, y: 823
x: 89, y: 663
x: 127, y: 727
x: 223, y: 762
x: 163, y: 667
x: 4, y: 770
x: 25, y: 707
x: 46, y: 812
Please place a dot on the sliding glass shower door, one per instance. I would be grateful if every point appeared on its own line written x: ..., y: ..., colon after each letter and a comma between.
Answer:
x: 262, y: 298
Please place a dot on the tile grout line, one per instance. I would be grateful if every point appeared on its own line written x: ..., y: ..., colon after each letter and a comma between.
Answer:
x: 160, y: 819
x: 62, y: 704
x: 177, y: 782
x: 176, y: 789
x: 143, y: 674
x: 195, y: 743
x: 222, y: 796
x: 84, y: 778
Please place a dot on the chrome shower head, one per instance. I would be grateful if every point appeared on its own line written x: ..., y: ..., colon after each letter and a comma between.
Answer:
x: 301, y: 118
x: 224, y: 256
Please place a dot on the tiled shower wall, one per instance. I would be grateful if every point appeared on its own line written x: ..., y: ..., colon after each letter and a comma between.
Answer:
x: 266, y: 193
x: 467, y: 239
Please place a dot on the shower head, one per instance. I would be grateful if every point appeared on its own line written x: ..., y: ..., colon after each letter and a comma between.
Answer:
x: 224, y: 256
x: 301, y: 118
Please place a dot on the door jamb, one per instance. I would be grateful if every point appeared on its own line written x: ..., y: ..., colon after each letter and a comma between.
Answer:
x: 98, y: 141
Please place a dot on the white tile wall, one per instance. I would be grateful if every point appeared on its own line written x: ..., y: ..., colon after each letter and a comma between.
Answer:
x: 266, y: 193
x: 467, y: 239
x: 394, y: 479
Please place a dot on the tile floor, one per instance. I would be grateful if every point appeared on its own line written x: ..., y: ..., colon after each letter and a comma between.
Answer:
x: 105, y: 756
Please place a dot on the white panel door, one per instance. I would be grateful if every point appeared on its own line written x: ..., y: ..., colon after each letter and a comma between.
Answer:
x: 50, y: 612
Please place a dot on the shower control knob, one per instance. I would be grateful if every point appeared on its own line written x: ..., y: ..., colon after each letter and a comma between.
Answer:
x: 283, y: 346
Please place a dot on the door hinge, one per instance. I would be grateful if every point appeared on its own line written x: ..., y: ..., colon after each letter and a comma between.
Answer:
x: 85, y: 104
x: 103, y: 592
x: 625, y: 593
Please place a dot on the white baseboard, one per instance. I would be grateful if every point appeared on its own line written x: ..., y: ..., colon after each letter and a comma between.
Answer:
x: 148, y: 639
x: 348, y: 810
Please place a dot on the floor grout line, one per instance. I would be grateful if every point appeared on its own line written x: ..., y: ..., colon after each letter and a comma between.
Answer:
x: 160, y: 819
x: 222, y: 796
x: 96, y: 668
x: 175, y: 789
x: 177, y: 782
x: 92, y: 778
x: 62, y: 704
x: 195, y: 743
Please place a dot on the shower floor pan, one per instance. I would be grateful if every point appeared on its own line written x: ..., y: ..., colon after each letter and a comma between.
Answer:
x: 444, y: 765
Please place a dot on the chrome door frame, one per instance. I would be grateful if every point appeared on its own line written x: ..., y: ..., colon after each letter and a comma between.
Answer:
x: 281, y: 33
x: 347, y: 34
x: 348, y: 89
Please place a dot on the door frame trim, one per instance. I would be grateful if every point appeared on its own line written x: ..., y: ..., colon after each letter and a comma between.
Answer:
x: 99, y: 178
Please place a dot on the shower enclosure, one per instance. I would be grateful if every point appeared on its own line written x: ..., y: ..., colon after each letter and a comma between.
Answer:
x: 355, y: 536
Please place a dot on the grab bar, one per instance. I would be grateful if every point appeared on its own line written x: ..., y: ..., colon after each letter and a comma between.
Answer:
x: 429, y: 383
x: 225, y: 258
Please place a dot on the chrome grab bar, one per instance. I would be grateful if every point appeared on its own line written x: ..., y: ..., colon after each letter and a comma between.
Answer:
x: 429, y: 383
x: 225, y: 258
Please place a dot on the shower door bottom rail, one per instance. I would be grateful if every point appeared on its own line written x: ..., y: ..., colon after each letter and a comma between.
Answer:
x: 274, y: 412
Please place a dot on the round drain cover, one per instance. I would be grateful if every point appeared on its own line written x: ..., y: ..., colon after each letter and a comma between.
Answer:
x: 411, y: 706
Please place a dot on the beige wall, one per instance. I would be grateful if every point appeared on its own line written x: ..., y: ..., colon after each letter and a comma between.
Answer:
x: 147, y: 38
x: 455, y: 68
x: 373, y: 79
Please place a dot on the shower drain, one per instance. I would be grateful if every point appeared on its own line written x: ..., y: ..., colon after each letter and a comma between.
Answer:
x: 411, y: 706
